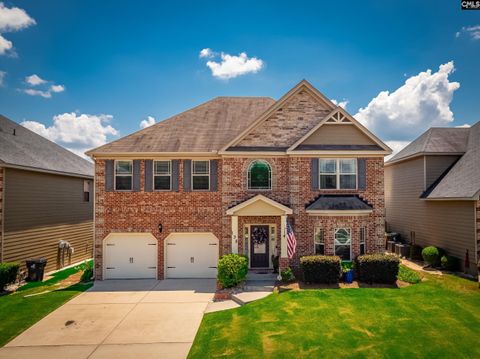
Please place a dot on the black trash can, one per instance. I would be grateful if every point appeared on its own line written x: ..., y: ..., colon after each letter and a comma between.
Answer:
x: 35, y: 267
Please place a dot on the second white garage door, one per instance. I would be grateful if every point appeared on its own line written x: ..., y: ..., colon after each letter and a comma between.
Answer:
x: 191, y: 255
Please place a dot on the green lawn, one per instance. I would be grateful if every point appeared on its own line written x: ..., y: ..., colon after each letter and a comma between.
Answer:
x: 18, y: 312
x: 437, y: 318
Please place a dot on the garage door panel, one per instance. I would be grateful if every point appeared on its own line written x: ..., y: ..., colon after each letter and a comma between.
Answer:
x: 192, y: 255
x: 129, y: 256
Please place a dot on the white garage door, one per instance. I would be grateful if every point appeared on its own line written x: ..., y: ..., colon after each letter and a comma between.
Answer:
x: 191, y: 255
x: 132, y: 255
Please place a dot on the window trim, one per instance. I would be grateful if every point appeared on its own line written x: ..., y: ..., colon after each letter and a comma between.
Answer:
x: 208, y: 174
x: 338, y: 173
x: 269, y: 176
x: 335, y: 245
x: 124, y: 175
x: 170, y: 174
x: 315, y: 243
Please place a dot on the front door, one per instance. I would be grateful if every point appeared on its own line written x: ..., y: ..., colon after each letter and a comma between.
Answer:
x: 259, y: 246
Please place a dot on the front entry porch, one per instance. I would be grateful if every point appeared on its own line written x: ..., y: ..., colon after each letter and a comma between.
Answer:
x: 259, y: 230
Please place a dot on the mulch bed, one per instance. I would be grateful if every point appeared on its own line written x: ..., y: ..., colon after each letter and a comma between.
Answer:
x: 355, y: 284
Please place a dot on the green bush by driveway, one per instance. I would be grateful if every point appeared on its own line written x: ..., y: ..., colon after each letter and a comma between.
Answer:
x: 437, y: 318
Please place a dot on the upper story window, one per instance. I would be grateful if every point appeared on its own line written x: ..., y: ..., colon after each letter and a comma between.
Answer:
x: 259, y: 175
x: 123, y: 175
x: 162, y: 175
x: 200, y: 175
x: 86, y: 190
x: 338, y: 173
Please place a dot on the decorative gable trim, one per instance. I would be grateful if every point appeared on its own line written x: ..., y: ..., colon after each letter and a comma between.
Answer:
x: 271, y: 202
x: 340, y: 117
x: 302, y: 85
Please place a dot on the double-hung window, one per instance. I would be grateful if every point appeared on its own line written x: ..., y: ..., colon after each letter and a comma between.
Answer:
x: 86, y: 190
x: 162, y: 175
x: 200, y: 175
x: 319, y: 241
x: 123, y: 175
x: 362, y: 240
x: 338, y: 173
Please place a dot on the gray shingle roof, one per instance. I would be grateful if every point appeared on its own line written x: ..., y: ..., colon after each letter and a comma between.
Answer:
x: 338, y: 203
x: 463, y: 180
x: 29, y: 150
x: 435, y: 140
x: 204, y: 128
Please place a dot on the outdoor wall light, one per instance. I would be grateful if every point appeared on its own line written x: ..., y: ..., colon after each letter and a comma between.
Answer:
x: 160, y: 227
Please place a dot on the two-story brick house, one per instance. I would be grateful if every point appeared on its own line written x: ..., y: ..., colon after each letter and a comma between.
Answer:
x: 226, y: 176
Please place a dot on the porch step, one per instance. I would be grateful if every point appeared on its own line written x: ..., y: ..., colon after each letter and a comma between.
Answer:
x: 247, y: 297
x: 259, y: 286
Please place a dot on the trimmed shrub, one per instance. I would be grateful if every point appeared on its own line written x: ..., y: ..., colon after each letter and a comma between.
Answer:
x: 408, y: 275
x: 321, y: 269
x: 87, y: 274
x: 287, y: 275
x: 450, y: 263
x: 377, y: 268
x: 8, y: 273
x: 431, y: 255
x: 232, y: 270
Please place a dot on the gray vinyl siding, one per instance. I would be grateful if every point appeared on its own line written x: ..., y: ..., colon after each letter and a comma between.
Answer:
x: 446, y: 224
x: 42, y: 209
x: 435, y: 166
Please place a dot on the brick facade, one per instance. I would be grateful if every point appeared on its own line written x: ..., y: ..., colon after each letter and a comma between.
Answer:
x: 206, y: 211
x: 478, y: 233
x: 1, y: 212
x: 287, y: 124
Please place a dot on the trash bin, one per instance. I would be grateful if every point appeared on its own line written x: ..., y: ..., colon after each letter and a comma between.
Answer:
x: 35, y: 267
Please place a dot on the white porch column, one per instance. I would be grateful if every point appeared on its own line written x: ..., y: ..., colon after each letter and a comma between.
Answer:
x: 283, y: 237
x: 235, y: 234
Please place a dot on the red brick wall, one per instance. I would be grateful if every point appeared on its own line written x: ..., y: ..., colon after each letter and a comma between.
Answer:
x: 1, y: 213
x: 204, y: 211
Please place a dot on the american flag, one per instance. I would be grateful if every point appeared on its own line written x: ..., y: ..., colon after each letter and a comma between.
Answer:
x: 291, y: 241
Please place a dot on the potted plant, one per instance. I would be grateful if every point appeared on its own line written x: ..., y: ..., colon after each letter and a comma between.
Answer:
x: 347, y: 269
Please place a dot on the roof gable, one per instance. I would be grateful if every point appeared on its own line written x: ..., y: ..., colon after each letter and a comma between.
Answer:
x: 339, y: 131
x: 22, y: 148
x: 289, y: 118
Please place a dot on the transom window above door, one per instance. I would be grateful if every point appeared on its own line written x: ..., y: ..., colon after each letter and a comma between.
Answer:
x: 162, y: 175
x: 259, y: 175
x: 338, y: 173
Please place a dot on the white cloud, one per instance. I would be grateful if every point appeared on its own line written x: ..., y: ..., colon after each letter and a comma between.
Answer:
x: 396, y: 147
x: 2, y: 77
x: 76, y: 132
x: 33, y: 92
x: 34, y: 80
x: 206, y: 53
x: 231, y: 66
x: 5, y: 45
x: 342, y: 104
x: 12, y: 19
x: 148, y: 122
x: 57, y: 88
x: 472, y: 31
x: 466, y: 125
x: 422, y: 102
x: 45, y: 90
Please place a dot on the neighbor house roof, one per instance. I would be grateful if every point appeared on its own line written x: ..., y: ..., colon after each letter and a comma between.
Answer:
x: 205, y: 128
x: 462, y: 181
x: 436, y: 140
x: 339, y: 204
x: 22, y: 148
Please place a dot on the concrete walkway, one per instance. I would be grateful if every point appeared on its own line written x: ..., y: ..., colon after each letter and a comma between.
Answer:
x: 120, y: 319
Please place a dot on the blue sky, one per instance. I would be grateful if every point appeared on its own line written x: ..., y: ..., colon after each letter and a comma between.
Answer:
x: 130, y: 60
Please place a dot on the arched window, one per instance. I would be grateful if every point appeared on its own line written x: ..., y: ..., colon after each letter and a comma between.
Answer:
x: 259, y: 175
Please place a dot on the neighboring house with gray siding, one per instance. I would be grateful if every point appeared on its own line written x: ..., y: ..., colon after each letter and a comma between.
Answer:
x: 432, y: 191
x: 46, y: 197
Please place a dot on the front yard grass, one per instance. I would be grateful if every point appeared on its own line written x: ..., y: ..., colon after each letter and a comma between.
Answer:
x: 18, y: 312
x: 437, y: 318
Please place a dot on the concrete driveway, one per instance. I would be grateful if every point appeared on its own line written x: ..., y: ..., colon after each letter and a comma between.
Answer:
x: 120, y: 319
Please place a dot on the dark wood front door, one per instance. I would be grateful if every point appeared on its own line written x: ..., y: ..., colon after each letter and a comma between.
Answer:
x: 259, y: 246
